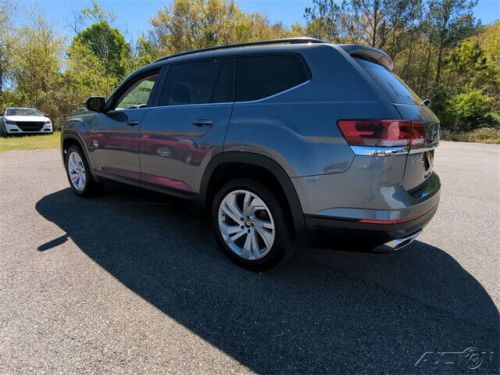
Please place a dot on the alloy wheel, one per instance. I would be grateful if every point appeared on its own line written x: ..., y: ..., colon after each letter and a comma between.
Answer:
x: 76, y: 171
x: 246, y: 224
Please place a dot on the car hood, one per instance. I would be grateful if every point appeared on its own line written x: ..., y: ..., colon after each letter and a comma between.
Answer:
x: 26, y: 118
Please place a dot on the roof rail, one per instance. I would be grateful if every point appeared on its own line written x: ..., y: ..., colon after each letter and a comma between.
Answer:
x: 295, y: 40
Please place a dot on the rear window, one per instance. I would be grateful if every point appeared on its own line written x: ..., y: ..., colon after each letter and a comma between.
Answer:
x: 390, y: 83
x: 265, y: 75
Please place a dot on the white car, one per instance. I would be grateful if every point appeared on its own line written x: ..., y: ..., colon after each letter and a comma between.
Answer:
x: 24, y: 121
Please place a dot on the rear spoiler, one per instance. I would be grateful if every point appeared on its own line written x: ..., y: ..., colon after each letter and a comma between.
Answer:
x: 368, y: 53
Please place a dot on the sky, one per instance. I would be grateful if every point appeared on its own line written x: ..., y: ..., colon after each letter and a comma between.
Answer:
x: 132, y: 16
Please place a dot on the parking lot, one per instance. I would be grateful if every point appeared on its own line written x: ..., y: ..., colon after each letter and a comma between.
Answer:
x: 133, y: 282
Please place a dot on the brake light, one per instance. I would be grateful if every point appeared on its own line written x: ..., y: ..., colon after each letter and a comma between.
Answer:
x: 388, y: 133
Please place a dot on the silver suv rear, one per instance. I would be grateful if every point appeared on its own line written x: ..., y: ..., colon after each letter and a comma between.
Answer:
x: 282, y: 141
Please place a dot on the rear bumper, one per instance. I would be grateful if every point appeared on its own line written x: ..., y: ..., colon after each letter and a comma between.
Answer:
x: 334, y: 232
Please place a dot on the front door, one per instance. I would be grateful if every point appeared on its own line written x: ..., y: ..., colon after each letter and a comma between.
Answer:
x: 188, y: 124
x: 115, y: 134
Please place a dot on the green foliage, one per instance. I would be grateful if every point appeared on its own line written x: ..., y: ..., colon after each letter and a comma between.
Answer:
x: 108, y: 45
x: 85, y: 75
x: 437, y: 46
x: 483, y: 135
x: 6, y: 42
x: 193, y: 24
x: 469, y: 111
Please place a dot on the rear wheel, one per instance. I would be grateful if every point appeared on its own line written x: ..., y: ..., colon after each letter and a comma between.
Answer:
x: 250, y: 224
x: 77, y: 169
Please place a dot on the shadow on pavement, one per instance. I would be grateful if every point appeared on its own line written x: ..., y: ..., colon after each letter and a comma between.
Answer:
x: 322, y: 311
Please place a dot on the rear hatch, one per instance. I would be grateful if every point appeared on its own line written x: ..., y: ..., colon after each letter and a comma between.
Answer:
x: 419, y: 164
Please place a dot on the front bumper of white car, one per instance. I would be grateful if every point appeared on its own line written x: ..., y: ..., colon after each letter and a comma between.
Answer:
x: 22, y: 127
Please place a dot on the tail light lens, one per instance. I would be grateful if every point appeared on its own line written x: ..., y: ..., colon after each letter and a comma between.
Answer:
x: 386, y: 133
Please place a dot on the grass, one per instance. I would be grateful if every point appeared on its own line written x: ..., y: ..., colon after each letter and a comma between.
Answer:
x: 30, y: 142
x: 483, y: 135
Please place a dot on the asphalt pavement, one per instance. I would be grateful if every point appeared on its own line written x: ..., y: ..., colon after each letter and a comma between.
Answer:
x: 133, y: 282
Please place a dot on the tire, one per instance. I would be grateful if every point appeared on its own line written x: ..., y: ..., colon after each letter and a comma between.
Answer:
x: 263, y: 225
x: 3, y: 132
x: 74, y: 159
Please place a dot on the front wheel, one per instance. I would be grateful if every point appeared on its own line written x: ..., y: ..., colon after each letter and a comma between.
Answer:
x: 250, y: 224
x: 77, y: 169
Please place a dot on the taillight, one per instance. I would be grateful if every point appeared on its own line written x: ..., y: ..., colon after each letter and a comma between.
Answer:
x: 386, y: 133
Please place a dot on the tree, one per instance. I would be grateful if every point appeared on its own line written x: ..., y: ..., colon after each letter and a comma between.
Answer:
x: 85, y: 75
x: 451, y: 21
x: 87, y: 16
x: 36, y: 65
x: 6, y: 40
x: 378, y: 23
x: 469, y: 111
x: 193, y: 24
x: 324, y: 20
x: 108, y: 45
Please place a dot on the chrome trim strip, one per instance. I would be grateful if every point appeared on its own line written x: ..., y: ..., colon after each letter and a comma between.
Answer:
x: 379, y: 151
x: 424, y: 149
x: 388, y: 151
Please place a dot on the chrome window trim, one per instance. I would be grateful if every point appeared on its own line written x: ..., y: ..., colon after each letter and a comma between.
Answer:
x: 273, y: 95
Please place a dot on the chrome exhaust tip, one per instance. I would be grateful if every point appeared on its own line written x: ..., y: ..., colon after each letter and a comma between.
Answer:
x: 397, y: 243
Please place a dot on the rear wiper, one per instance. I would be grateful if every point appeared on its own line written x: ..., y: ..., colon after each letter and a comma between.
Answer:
x: 426, y: 102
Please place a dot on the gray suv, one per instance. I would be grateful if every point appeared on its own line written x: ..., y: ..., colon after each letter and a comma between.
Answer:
x: 283, y: 141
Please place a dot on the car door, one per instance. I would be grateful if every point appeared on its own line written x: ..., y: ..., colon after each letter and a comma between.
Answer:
x: 187, y: 125
x: 115, y: 133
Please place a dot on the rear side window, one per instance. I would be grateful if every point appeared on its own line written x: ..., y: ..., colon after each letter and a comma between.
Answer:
x: 199, y: 82
x: 265, y: 75
x: 390, y: 83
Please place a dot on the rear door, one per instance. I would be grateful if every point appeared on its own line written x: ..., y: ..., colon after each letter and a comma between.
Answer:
x: 419, y: 164
x: 188, y: 124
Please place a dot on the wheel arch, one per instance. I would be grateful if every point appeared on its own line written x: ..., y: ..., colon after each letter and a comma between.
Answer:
x: 68, y: 140
x: 232, y: 164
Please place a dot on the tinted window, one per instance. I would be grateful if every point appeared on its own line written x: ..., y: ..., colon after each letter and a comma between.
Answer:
x: 224, y: 88
x: 138, y: 94
x: 262, y: 76
x: 199, y: 82
x: 390, y: 83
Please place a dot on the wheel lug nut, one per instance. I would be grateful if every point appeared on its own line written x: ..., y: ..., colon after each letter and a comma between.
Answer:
x: 242, y: 227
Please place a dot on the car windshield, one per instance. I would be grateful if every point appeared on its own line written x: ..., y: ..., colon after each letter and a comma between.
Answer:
x: 23, y: 112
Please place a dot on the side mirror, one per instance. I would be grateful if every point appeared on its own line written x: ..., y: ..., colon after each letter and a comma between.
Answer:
x: 95, y: 103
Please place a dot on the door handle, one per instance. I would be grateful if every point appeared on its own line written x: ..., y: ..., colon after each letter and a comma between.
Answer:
x: 133, y: 122
x: 201, y: 123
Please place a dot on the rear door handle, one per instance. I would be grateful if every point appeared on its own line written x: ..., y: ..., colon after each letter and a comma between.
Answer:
x: 133, y: 122
x: 201, y: 123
